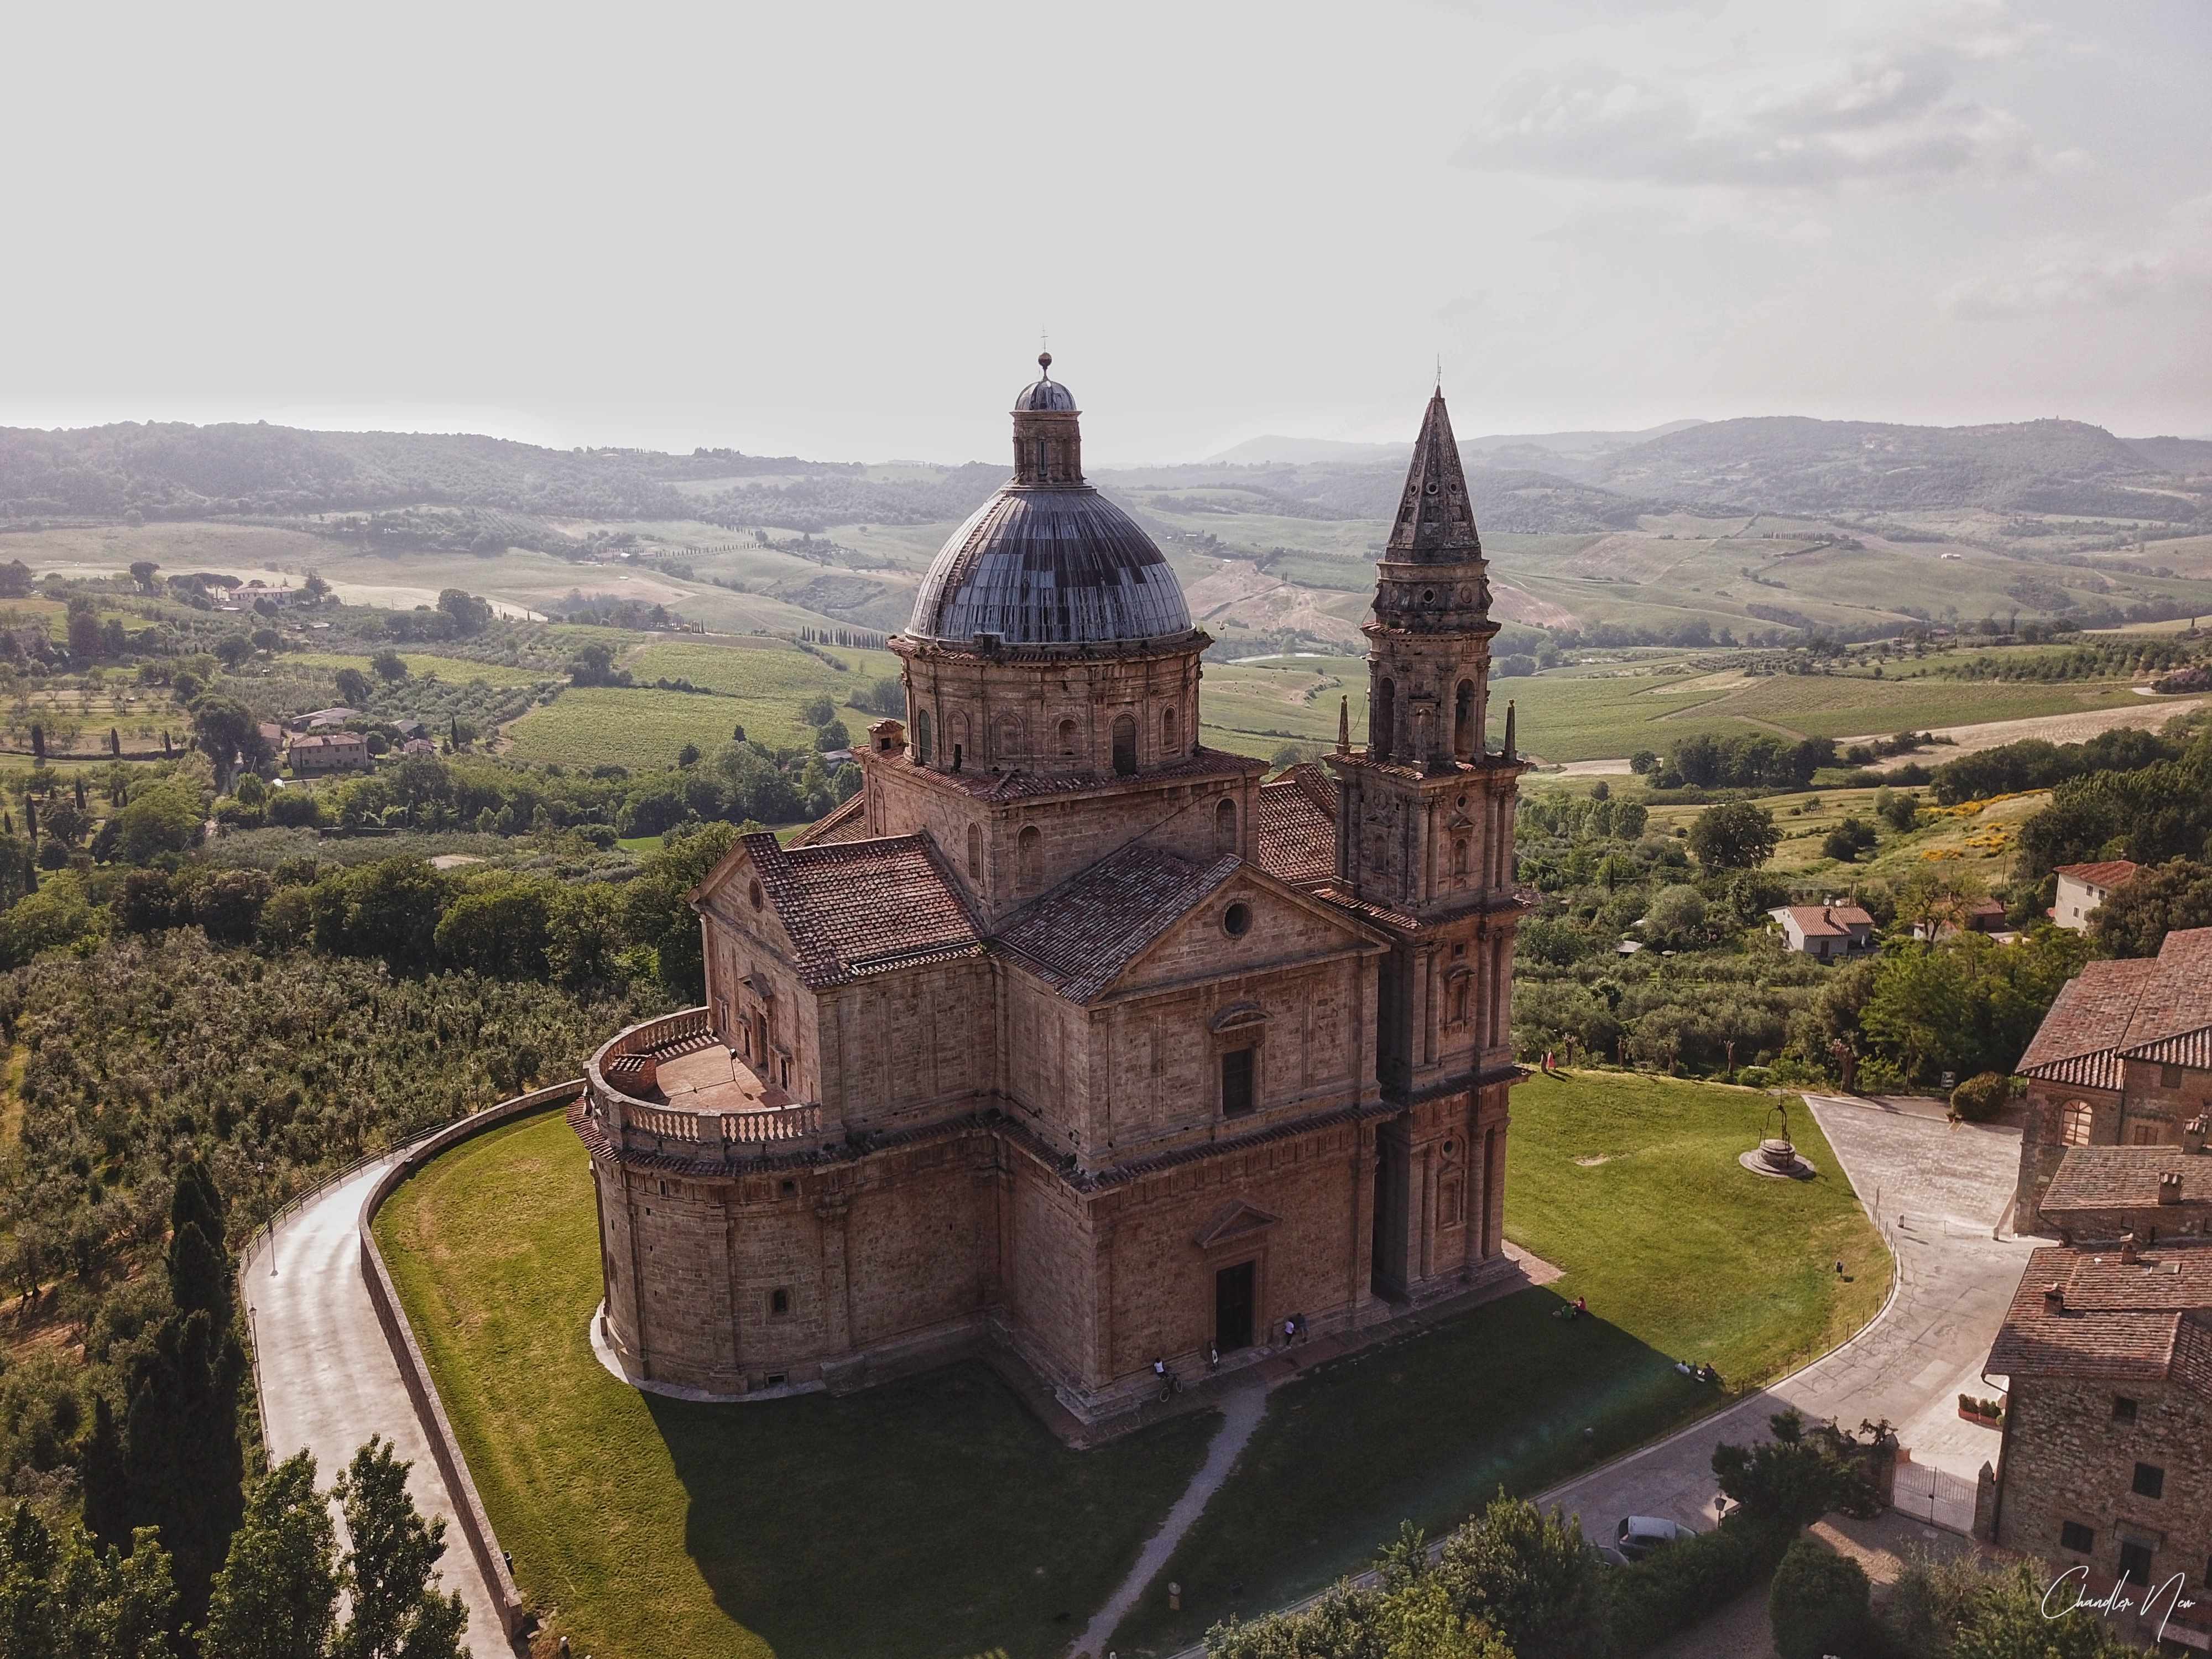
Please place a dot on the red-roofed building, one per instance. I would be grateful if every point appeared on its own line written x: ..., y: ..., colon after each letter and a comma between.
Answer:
x: 2123, y: 1059
x: 2083, y: 887
x: 1828, y: 933
x: 1066, y: 1033
x: 2106, y: 1353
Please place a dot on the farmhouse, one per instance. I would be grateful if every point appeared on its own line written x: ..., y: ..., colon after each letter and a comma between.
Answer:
x: 1065, y: 1034
x: 331, y: 751
x: 1829, y: 932
x: 2083, y: 887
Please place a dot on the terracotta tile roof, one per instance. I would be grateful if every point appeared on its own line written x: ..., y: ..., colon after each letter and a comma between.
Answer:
x: 863, y: 907
x: 1018, y: 785
x: 2114, y: 872
x: 1080, y: 936
x: 2155, y: 1009
x: 2123, y: 1178
x: 2145, y: 1319
x: 847, y: 821
x: 1825, y: 921
x: 1297, y: 839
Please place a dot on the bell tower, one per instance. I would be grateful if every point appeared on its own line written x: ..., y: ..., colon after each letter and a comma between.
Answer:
x: 1424, y: 849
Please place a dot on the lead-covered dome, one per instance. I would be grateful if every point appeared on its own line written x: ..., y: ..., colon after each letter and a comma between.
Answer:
x: 1049, y: 560
x: 1049, y: 564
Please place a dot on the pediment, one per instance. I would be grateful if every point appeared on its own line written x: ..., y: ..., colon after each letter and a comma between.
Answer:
x: 1232, y: 1222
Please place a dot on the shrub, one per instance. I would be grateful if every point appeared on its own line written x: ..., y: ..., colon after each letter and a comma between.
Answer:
x: 1981, y: 1098
x: 1672, y: 1588
x: 1819, y: 1603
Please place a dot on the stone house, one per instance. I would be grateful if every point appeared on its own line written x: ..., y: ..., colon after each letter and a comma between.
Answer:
x: 2083, y: 887
x: 1067, y: 1036
x: 1829, y: 932
x: 2102, y: 1471
x: 328, y: 752
x: 2123, y: 1059
x: 2102, y: 1193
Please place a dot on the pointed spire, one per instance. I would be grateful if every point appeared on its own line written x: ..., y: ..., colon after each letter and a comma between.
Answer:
x: 1435, y: 517
x: 1344, y: 725
x: 1509, y: 729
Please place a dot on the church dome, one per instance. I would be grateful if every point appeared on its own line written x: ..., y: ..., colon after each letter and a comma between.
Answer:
x: 1044, y: 395
x: 1050, y: 565
x: 1048, y: 560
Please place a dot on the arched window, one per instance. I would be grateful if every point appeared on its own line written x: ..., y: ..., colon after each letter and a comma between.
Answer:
x: 1224, y: 828
x: 956, y: 734
x: 1029, y: 858
x: 2078, y: 1118
x: 1459, y: 999
x: 1382, y: 722
x: 1067, y: 737
x: 922, y: 736
x: 1010, y: 737
x: 1459, y: 857
x: 975, y: 852
x: 1464, y: 721
x: 1168, y: 744
x: 1125, y: 744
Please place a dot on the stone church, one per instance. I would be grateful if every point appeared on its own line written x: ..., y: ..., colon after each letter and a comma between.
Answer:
x: 1068, y: 1034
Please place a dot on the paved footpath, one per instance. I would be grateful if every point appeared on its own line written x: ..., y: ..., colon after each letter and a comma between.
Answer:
x: 1939, y: 1194
x: 328, y: 1380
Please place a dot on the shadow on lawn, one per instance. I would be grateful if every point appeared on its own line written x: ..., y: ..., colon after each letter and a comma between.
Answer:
x: 1425, y: 1428
x: 930, y: 1518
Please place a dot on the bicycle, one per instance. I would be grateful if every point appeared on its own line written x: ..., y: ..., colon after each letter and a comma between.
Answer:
x: 1170, y: 1385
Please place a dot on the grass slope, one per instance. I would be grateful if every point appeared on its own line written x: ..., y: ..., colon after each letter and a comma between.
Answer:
x: 1631, y: 1183
x: 930, y: 1518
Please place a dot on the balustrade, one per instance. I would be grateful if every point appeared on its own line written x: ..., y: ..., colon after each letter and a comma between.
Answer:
x: 633, y: 1057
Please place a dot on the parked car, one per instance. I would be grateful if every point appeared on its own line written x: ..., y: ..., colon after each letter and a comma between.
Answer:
x: 1640, y: 1534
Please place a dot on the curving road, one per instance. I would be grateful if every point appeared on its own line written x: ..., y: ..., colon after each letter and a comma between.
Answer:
x: 328, y: 1380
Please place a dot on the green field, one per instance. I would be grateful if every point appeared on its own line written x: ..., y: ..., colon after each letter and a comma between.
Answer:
x: 424, y: 665
x: 1631, y: 1183
x: 928, y: 1519
x: 614, y: 725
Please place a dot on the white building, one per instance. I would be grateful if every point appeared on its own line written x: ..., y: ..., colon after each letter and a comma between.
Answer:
x: 2083, y: 887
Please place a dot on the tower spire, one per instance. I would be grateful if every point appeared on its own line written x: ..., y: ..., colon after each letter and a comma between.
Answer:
x: 1436, y: 519
x: 1344, y: 725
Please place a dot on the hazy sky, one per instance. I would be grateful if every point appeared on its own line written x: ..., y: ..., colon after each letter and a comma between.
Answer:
x: 837, y: 230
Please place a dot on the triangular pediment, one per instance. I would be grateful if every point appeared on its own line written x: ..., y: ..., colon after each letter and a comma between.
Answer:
x: 1234, y: 1221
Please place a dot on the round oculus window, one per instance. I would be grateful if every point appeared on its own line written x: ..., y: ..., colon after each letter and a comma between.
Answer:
x: 1431, y: 486
x: 1237, y: 921
x: 1428, y: 594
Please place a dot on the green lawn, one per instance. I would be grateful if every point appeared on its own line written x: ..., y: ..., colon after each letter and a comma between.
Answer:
x: 1631, y: 1183
x: 931, y: 1517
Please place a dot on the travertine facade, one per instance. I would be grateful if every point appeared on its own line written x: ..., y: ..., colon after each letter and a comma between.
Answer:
x: 1066, y: 1032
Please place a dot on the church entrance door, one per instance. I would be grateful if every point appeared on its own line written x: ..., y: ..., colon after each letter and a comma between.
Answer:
x: 1233, y: 1308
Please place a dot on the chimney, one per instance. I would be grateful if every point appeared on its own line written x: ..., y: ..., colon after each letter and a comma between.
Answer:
x: 2054, y: 1298
x: 2128, y: 1247
x: 2193, y: 1136
x: 2169, y: 1187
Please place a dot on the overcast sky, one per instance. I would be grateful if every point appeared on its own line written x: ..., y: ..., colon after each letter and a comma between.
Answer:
x: 837, y: 230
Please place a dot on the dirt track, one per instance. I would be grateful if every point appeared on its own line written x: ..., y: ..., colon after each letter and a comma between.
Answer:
x: 2148, y: 715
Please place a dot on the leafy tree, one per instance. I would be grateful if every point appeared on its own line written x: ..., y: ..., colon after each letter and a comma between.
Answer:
x: 1843, y: 844
x: 295, y: 809
x: 1899, y: 812
x: 229, y: 735
x: 594, y: 665
x: 2164, y: 898
x: 1981, y: 1097
x: 395, y: 1613
x: 54, y: 918
x: 1643, y: 762
x: 500, y: 927
x: 833, y: 736
x: 388, y: 909
x: 471, y: 615
x: 1530, y: 1576
x: 84, y: 630
x: 61, y: 1597
x: 233, y: 649
x: 818, y: 710
x: 1676, y: 917
x: 141, y: 572
x: 389, y: 666
x: 1968, y: 1005
x: 354, y: 688
x: 315, y: 588
x: 1733, y: 835
x: 657, y: 911
x: 688, y: 756
x: 1939, y: 896
x: 1798, y: 1476
x: 1818, y: 1604
x: 276, y: 1596
x: 168, y: 817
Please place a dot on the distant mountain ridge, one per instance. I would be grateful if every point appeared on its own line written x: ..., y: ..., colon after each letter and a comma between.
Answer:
x: 1273, y: 448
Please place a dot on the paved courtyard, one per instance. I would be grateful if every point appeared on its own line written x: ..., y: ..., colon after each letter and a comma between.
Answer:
x: 1938, y: 1192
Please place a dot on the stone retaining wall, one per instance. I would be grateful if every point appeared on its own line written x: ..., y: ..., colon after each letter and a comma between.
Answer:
x: 476, y: 1525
